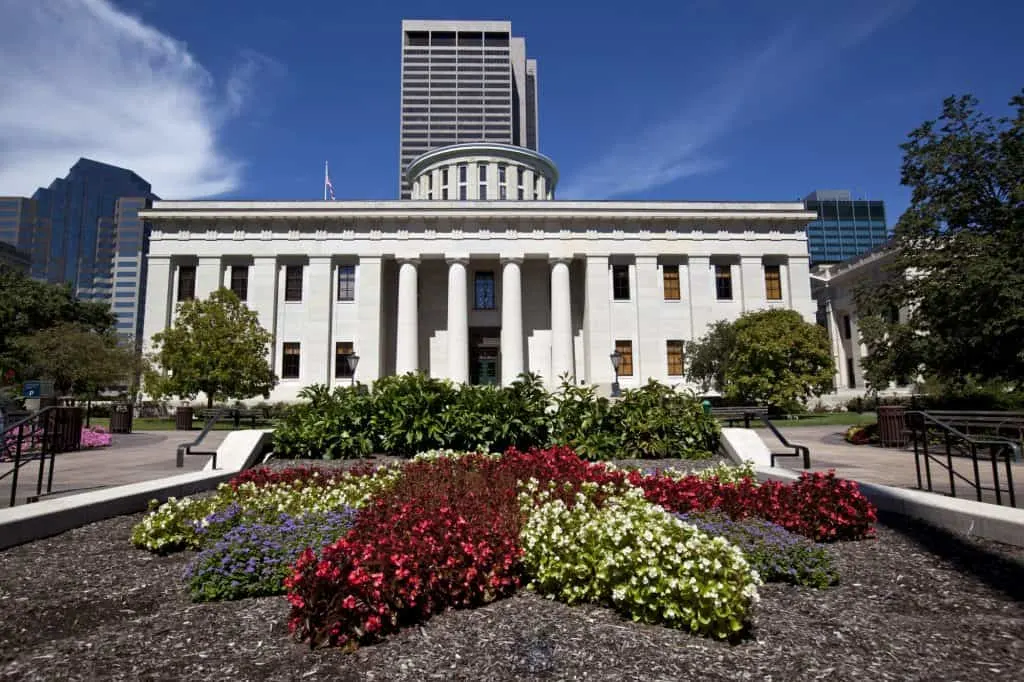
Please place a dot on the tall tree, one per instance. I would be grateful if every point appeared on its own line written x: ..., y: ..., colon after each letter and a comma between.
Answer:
x: 959, y: 268
x: 771, y: 357
x: 77, y: 359
x: 216, y: 347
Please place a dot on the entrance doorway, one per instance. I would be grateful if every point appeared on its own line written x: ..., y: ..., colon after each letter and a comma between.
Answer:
x: 484, y: 356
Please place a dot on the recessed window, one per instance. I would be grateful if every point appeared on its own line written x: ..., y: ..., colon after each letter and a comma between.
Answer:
x: 430, y: 185
x: 625, y: 351
x: 481, y: 170
x: 620, y: 282
x: 444, y: 184
x: 773, y: 282
x: 502, y: 182
x: 847, y: 329
x: 346, y: 282
x: 520, y: 182
x: 670, y: 280
x: 293, y: 283
x: 483, y: 290
x: 851, y: 380
x: 342, y: 349
x: 240, y: 281
x: 462, y: 181
x: 290, y: 361
x: 186, y: 282
x: 674, y: 357
x: 723, y: 282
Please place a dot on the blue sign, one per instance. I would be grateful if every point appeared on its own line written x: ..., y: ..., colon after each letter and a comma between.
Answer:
x: 32, y: 389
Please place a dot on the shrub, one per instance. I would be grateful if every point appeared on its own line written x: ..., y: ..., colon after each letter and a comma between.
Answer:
x: 445, y: 536
x: 862, y: 435
x: 818, y: 505
x: 583, y: 421
x: 497, y: 418
x: 332, y: 425
x: 253, y: 560
x: 408, y: 413
x: 639, y: 559
x: 775, y: 553
x: 657, y: 422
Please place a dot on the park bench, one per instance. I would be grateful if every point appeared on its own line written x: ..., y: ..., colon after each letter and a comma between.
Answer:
x: 734, y: 415
x: 236, y: 414
x: 797, y: 450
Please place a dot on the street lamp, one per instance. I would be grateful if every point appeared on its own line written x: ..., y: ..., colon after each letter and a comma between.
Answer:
x: 616, y: 361
x: 352, y: 360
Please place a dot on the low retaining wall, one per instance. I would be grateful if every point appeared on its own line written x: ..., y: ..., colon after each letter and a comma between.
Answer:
x: 28, y: 522
x: 966, y: 517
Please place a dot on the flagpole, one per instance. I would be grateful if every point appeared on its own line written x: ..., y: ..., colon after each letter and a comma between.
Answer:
x: 326, y: 176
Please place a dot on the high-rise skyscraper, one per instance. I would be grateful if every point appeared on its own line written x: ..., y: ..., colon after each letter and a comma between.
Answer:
x: 17, y: 218
x: 464, y: 81
x: 845, y: 227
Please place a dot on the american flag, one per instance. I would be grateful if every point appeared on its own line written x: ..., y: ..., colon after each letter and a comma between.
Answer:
x: 328, y: 187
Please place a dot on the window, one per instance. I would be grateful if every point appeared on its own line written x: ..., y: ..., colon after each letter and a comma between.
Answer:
x: 502, y: 183
x: 520, y: 181
x: 346, y: 282
x: 240, y: 281
x: 674, y: 357
x: 444, y: 184
x: 483, y: 286
x: 341, y: 370
x: 462, y: 181
x: 186, y: 282
x: 620, y: 282
x: 290, y: 361
x: 293, y: 283
x: 773, y: 282
x: 536, y: 188
x: 430, y: 185
x: 847, y: 330
x: 481, y: 170
x: 625, y: 351
x: 723, y: 282
x: 670, y: 279
x: 851, y: 380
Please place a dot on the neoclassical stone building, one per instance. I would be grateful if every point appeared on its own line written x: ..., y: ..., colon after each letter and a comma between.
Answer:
x: 482, y: 275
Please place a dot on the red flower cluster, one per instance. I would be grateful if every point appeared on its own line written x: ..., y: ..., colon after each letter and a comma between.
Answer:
x: 446, y: 536
x: 819, y: 505
x: 264, y: 476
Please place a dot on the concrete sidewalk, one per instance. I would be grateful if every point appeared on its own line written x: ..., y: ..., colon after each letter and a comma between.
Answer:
x: 132, y: 458
x: 887, y: 466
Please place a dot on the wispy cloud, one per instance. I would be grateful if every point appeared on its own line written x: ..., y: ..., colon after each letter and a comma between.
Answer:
x: 81, y: 78
x: 758, y: 85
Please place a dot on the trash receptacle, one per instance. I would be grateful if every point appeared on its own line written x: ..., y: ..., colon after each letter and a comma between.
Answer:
x: 892, y: 431
x: 121, y: 418
x: 183, y: 418
x: 706, y: 406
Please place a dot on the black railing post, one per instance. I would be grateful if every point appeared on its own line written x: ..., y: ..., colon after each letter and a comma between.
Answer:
x: 949, y: 461
x: 47, y: 439
x: 993, y: 450
x: 1009, y: 481
x: 17, y: 465
x: 977, y: 471
x: 917, y: 453
x: 927, y: 460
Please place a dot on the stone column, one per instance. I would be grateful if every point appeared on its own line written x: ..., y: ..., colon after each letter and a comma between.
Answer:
x: 458, y: 321
x: 407, y: 352
x: 561, y: 321
x: 511, y: 320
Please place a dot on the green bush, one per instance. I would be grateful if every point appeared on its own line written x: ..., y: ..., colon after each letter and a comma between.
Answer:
x: 491, y: 418
x: 583, y: 421
x: 636, y: 557
x: 409, y: 413
x: 332, y: 425
x: 656, y: 422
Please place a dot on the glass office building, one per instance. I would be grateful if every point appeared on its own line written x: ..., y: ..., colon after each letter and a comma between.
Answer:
x: 17, y: 216
x: 845, y: 227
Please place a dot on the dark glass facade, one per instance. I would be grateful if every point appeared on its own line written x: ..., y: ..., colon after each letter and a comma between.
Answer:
x: 845, y: 227
x: 17, y: 216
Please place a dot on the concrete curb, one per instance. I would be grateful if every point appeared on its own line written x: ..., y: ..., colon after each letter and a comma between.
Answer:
x: 962, y: 516
x: 28, y: 522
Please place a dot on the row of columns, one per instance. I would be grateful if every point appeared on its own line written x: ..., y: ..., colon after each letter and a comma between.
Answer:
x: 512, y: 355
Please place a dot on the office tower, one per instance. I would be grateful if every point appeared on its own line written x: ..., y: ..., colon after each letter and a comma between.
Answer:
x: 17, y: 218
x: 74, y: 231
x: 127, y: 267
x: 13, y: 259
x: 464, y: 81
x: 845, y: 227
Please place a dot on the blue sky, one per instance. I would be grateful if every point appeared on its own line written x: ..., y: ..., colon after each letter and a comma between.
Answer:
x: 694, y: 99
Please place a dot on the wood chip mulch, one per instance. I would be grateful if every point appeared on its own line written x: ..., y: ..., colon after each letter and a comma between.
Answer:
x: 915, y: 604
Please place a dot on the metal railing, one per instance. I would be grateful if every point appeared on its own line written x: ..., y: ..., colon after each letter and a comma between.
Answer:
x: 39, y: 437
x: 801, y: 451
x: 186, y: 448
x: 927, y: 432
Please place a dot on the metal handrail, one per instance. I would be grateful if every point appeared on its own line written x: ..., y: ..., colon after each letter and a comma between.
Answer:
x: 40, y: 430
x: 798, y: 450
x: 186, y: 448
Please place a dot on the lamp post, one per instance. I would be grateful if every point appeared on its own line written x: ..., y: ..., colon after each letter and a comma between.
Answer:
x: 616, y: 360
x: 352, y: 360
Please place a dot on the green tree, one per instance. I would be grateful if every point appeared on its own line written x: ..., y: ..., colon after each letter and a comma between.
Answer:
x: 770, y: 357
x: 28, y: 306
x: 215, y: 346
x: 77, y: 359
x: 959, y: 265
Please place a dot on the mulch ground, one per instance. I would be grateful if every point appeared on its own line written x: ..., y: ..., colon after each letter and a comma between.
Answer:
x: 915, y: 604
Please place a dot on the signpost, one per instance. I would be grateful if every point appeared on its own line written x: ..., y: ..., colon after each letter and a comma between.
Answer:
x: 35, y: 391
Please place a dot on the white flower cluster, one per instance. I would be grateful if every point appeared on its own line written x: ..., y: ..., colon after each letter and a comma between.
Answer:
x: 434, y: 455
x: 636, y: 557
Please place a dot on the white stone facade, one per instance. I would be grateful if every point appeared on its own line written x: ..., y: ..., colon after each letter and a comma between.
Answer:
x: 480, y: 291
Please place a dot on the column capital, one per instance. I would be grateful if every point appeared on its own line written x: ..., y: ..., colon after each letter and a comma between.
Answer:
x: 409, y: 261
x: 457, y: 260
x: 516, y: 260
x: 558, y: 260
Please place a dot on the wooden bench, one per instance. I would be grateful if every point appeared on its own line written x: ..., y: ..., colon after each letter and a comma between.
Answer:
x: 733, y: 415
x: 798, y: 450
x: 236, y: 414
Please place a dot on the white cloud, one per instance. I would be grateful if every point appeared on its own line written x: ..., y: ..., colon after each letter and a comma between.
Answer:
x: 761, y: 84
x: 81, y: 78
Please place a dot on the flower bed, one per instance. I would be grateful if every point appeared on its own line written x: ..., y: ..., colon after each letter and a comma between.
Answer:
x: 363, y: 553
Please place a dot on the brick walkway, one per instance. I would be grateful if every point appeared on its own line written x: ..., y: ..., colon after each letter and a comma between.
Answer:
x: 132, y: 458
x: 887, y: 466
